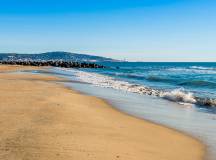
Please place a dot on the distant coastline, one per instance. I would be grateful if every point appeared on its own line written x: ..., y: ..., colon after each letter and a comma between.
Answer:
x: 54, y: 56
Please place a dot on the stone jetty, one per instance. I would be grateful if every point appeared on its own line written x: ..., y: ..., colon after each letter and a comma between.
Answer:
x: 64, y: 64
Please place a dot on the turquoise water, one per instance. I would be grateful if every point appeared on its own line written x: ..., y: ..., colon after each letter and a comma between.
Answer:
x: 186, y: 83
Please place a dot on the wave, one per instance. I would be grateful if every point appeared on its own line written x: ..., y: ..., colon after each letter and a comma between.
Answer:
x: 190, y: 83
x: 128, y: 75
x: 152, y: 78
x: 206, y: 102
x: 160, y: 79
x: 199, y: 83
x: 133, y: 76
x: 176, y: 95
x: 202, y: 68
x: 109, y: 82
x: 193, y: 70
x: 179, y: 95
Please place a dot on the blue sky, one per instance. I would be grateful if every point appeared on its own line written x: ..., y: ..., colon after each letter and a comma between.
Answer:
x: 144, y: 30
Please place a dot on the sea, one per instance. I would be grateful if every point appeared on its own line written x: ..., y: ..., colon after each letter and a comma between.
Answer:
x: 177, y: 95
x: 184, y: 83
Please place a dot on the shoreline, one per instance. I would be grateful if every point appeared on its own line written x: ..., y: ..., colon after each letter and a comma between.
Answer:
x: 149, y: 121
x: 111, y: 135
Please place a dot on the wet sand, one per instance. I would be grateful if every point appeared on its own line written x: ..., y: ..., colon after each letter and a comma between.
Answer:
x: 42, y: 120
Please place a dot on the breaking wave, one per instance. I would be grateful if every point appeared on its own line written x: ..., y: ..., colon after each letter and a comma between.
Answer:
x: 177, y: 95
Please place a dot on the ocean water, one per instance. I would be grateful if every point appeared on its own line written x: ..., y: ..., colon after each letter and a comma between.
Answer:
x: 178, y: 95
x: 184, y: 83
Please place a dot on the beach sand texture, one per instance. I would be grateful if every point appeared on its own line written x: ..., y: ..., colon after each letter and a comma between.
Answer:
x: 43, y: 120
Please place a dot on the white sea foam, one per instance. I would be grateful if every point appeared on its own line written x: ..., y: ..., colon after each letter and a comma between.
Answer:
x: 202, y: 68
x: 109, y: 82
x: 179, y: 95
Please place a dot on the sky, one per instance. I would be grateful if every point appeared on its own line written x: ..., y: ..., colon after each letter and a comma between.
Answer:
x: 135, y: 30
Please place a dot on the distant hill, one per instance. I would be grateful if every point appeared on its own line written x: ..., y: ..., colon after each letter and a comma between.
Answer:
x: 64, y: 56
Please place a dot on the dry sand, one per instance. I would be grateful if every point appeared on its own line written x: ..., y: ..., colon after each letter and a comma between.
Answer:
x: 6, y: 68
x: 42, y: 120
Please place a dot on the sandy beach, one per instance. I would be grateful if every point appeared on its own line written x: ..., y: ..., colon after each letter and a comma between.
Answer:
x: 42, y: 120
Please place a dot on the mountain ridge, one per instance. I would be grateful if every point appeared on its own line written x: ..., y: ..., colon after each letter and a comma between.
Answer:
x: 55, y: 55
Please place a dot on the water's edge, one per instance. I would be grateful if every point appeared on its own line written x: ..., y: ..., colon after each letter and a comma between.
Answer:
x: 112, y: 105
